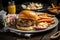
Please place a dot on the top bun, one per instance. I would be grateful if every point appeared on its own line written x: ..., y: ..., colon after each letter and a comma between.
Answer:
x: 29, y: 14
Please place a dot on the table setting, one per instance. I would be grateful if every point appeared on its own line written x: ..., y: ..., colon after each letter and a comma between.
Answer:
x: 30, y: 21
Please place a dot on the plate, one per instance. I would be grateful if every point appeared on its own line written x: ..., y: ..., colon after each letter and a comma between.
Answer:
x: 34, y: 31
x: 44, y: 8
x: 54, y: 11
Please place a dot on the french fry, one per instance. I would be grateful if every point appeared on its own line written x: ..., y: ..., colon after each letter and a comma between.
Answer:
x: 52, y: 22
x: 47, y: 20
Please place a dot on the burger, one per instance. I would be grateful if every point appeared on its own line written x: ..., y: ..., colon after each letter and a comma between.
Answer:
x: 26, y: 20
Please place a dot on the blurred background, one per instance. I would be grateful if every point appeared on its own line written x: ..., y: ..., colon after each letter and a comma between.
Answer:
x: 5, y: 2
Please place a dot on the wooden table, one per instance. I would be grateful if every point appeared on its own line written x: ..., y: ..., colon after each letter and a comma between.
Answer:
x: 40, y: 36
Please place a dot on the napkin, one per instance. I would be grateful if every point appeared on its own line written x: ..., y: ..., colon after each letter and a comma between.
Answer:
x: 2, y: 15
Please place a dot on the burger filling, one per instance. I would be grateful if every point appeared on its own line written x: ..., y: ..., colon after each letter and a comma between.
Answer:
x: 25, y: 22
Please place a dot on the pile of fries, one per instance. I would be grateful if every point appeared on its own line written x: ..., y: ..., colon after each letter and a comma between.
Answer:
x: 48, y: 18
x: 54, y: 9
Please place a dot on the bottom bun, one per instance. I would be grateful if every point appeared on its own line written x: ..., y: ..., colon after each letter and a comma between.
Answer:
x: 24, y: 28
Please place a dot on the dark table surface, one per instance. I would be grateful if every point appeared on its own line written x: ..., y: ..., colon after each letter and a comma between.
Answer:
x: 39, y: 36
